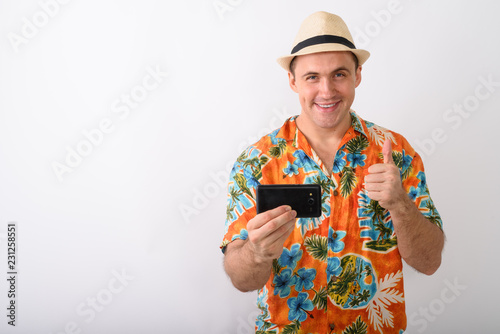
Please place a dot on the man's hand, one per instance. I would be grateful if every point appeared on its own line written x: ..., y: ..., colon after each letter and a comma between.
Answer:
x: 420, y: 242
x: 383, y: 182
x: 248, y: 262
x: 268, y: 231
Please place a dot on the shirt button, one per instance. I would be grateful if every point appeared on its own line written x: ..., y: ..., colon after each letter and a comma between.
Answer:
x: 335, y: 193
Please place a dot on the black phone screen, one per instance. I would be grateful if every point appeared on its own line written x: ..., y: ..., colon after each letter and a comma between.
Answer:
x: 303, y: 198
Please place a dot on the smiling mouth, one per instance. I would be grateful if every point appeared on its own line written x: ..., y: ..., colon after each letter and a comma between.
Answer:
x: 327, y: 105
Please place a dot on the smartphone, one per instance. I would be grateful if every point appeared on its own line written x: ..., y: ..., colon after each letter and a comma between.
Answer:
x: 303, y: 198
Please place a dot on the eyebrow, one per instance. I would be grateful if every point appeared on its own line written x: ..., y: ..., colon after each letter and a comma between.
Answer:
x: 341, y: 68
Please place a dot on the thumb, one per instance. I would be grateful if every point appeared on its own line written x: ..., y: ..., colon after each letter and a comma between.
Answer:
x: 387, y: 152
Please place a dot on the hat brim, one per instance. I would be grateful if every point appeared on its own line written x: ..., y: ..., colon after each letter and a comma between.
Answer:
x: 362, y: 55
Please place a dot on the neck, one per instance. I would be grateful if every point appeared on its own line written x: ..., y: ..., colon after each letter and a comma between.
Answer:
x: 326, y: 135
x: 325, y: 141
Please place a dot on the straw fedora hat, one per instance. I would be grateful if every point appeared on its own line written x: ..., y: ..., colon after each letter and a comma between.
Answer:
x: 322, y: 32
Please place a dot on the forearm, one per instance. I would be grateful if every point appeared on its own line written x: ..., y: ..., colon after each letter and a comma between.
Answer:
x: 420, y: 242
x: 245, y: 271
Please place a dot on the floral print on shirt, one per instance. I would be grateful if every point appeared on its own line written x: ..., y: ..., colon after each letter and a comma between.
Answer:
x: 341, y: 272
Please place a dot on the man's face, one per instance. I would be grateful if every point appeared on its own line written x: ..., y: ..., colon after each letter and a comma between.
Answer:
x: 325, y: 83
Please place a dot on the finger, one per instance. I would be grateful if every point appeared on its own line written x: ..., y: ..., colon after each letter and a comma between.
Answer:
x: 375, y: 177
x: 375, y: 187
x: 282, y: 233
x: 272, y: 245
x: 275, y: 231
x: 272, y: 225
x: 374, y: 195
x: 264, y: 217
x: 377, y: 168
x: 387, y: 152
x: 279, y: 225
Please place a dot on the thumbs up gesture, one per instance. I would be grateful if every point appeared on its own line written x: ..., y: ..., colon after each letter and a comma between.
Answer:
x: 383, y: 182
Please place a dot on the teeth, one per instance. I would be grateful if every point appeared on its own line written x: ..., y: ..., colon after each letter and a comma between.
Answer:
x: 327, y: 105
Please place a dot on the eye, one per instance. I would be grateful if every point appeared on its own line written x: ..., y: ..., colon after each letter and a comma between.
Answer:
x: 339, y: 75
x: 312, y: 77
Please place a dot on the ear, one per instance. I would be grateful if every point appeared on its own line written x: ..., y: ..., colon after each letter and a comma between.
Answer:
x: 291, y: 81
x: 358, y: 76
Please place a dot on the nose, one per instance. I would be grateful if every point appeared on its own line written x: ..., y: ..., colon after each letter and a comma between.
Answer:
x: 327, y: 88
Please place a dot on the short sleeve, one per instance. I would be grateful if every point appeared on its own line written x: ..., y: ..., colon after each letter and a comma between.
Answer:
x: 241, y: 204
x: 415, y: 184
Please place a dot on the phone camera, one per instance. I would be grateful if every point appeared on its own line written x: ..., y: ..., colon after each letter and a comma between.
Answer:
x: 311, y: 201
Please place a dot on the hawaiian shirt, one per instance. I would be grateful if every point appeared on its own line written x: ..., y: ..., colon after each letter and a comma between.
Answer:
x: 341, y: 272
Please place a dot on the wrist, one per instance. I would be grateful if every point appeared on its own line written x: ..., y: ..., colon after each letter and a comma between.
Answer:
x: 257, y: 258
x: 402, y: 207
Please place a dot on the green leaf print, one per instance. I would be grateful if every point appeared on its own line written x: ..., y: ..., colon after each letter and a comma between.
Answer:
x: 264, y: 329
x: 358, y: 327
x: 241, y: 181
x: 276, y: 267
x: 320, y: 299
x: 292, y: 328
x: 324, y: 183
x: 243, y: 156
x: 347, y: 181
x: 278, y: 150
x: 357, y: 144
x: 229, y: 212
x: 317, y: 247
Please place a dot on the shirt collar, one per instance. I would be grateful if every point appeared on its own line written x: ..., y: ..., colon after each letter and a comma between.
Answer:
x: 289, y: 130
x: 358, y: 124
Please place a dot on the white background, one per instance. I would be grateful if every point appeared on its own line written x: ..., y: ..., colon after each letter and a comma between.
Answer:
x: 147, y: 202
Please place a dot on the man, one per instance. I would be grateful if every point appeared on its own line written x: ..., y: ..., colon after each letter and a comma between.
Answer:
x: 341, y: 273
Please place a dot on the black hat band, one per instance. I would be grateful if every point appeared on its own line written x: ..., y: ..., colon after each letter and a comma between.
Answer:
x: 323, y: 39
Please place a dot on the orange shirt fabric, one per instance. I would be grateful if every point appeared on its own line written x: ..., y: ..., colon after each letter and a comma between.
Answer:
x: 341, y: 272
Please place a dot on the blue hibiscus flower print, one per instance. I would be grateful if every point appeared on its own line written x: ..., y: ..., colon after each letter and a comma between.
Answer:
x: 333, y: 268
x: 334, y: 237
x: 339, y: 162
x: 356, y: 159
x: 290, y: 257
x: 305, y: 278
x: 283, y: 282
x: 251, y: 181
x: 413, y: 193
x: 422, y: 186
x: 291, y: 169
x: 406, y: 160
x: 301, y: 160
x: 298, y: 307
